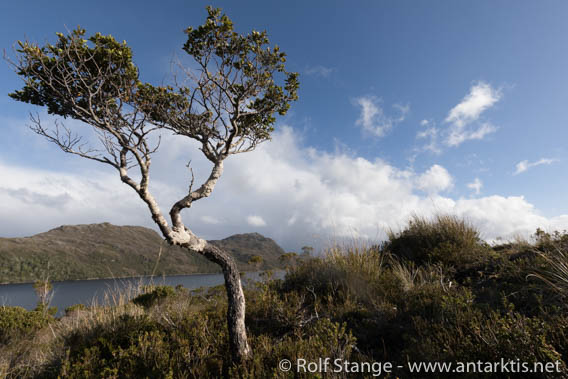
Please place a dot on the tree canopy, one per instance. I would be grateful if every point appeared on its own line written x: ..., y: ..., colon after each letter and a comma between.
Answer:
x: 228, y: 106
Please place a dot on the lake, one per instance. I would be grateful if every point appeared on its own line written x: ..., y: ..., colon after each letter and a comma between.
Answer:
x: 99, y: 291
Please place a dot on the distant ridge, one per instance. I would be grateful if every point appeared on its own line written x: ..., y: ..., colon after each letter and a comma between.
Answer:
x: 91, y: 251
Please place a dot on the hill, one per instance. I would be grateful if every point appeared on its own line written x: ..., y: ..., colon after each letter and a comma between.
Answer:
x: 104, y: 250
x: 245, y: 246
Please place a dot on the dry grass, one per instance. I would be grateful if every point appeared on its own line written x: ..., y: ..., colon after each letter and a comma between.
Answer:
x: 412, y: 276
x: 29, y: 355
x: 556, y: 275
x: 445, y: 238
x: 357, y: 257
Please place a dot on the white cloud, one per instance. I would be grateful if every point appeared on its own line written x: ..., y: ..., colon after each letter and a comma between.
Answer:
x: 431, y: 134
x: 434, y: 180
x: 481, y: 97
x: 499, y: 216
x: 34, y: 200
x: 372, y: 117
x: 476, y: 186
x: 319, y: 70
x: 255, y: 220
x: 523, y: 166
x: 210, y: 220
x: 403, y: 109
x: 302, y: 196
x: 458, y: 136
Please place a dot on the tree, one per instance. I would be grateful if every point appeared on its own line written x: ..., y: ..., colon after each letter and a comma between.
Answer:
x: 229, y: 108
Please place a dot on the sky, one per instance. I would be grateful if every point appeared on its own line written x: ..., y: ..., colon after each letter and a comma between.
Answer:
x: 405, y: 108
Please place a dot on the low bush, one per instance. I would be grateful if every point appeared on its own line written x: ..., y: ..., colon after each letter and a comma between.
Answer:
x: 445, y: 239
x: 17, y: 323
x: 153, y: 295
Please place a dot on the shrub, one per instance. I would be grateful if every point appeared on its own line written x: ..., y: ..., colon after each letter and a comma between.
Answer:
x: 153, y: 295
x: 17, y: 322
x: 324, y: 338
x: 360, y: 304
x: 467, y: 335
x: 446, y: 239
x: 348, y: 274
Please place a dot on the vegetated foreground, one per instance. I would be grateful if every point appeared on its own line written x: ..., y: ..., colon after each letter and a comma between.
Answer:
x: 432, y: 293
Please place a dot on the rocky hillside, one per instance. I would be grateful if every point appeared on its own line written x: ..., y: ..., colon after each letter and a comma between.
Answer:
x: 105, y: 250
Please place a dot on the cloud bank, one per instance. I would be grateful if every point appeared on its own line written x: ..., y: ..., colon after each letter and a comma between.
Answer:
x: 292, y: 193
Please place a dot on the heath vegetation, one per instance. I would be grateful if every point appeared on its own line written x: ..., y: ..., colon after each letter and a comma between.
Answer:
x: 432, y: 292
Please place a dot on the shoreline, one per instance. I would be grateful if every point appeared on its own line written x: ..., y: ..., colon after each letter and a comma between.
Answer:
x: 139, y: 276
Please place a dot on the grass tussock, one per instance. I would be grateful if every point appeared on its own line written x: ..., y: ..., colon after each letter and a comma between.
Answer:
x: 446, y: 239
x: 429, y: 294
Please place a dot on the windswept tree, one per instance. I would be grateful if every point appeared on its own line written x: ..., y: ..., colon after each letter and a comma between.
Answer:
x: 229, y: 107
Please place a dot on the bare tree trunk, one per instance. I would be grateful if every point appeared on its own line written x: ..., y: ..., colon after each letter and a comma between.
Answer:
x: 236, y: 302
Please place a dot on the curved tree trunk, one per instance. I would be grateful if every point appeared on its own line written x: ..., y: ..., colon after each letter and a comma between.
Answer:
x: 240, y: 349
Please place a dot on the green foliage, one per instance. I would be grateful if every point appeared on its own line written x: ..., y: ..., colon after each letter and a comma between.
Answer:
x: 230, y: 107
x: 153, y: 295
x: 355, y: 303
x: 446, y: 239
x: 550, y: 241
x: 17, y: 323
x: 99, y: 64
x: 323, y: 338
x: 256, y: 62
x: 243, y: 83
x: 134, y: 348
x: 467, y: 335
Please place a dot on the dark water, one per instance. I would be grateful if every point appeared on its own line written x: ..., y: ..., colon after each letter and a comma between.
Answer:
x: 101, y: 291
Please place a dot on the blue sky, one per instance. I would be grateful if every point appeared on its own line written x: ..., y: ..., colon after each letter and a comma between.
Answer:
x: 405, y: 107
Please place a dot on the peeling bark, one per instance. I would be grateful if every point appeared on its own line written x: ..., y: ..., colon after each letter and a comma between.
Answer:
x: 240, y: 349
x: 238, y: 341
